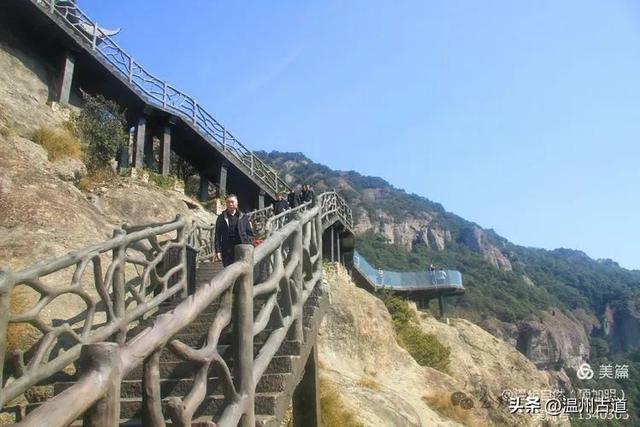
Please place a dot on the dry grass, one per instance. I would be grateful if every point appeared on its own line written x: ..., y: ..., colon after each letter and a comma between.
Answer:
x: 333, y: 411
x: 441, y: 403
x: 95, y: 178
x: 59, y: 143
x: 7, y: 132
x: 369, y: 383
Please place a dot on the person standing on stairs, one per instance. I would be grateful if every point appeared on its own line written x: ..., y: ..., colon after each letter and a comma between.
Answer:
x: 307, y: 194
x: 280, y: 205
x: 232, y: 228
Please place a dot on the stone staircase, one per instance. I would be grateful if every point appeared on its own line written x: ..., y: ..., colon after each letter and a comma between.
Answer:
x: 274, y: 390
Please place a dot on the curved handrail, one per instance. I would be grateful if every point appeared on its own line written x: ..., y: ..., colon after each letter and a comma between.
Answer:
x: 161, y: 94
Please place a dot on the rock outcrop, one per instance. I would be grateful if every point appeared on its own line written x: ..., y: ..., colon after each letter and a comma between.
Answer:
x: 383, y: 385
x: 478, y: 241
x: 623, y: 326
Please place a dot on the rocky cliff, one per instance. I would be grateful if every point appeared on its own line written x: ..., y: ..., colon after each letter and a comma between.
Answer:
x: 384, y: 386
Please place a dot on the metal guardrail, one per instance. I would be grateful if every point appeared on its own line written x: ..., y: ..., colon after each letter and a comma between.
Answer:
x: 104, y: 354
x: 161, y: 94
x: 407, y: 280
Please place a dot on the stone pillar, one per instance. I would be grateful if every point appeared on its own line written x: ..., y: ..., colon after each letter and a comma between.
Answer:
x: 333, y: 258
x: 138, y: 149
x: 204, y: 188
x: 149, y: 158
x: 224, y: 168
x: 442, y: 305
x: 165, y: 154
x: 66, y: 78
x: 306, y: 397
x: 261, y: 199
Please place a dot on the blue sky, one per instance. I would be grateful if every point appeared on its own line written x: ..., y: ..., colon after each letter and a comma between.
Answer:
x: 523, y: 116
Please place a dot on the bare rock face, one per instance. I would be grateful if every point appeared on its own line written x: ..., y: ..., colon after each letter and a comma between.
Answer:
x: 624, y: 326
x: 377, y: 380
x: 558, y: 339
x: 383, y: 385
x: 477, y: 240
x: 43, y: 216
x: 26, y: 86
x: 488, y: 367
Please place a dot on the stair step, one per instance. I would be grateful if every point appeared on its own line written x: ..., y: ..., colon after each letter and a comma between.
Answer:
x: 181, y: 370
x: 269, y: 383
x: 213, y: 405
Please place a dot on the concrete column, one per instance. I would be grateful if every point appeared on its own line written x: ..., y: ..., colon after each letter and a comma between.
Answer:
x: 442, y: 305
x: 261, y: 200
x: 306, y: 397
x: 338, y: 247
x: 66, y: 78
x: 223, y: 178
x: 165, y: 155
x: 204, y: 188
x: 138, y: 149
x: 333, y: 258
x: 149, y: 158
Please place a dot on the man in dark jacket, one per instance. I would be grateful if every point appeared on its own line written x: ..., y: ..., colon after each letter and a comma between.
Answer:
x: 307, y: 194
x: 232, y: 228
x: 293, y: 199
x: 280, y: 205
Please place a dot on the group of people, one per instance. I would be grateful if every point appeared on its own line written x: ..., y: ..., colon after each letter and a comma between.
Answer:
x: 234, y: 228
x: 293, y: 199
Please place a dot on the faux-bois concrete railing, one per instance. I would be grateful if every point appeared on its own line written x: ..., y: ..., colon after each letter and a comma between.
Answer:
x: 122, y: 282
x: 159, y: 93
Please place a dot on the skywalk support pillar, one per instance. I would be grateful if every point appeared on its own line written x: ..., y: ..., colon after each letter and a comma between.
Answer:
x: 224, y: 169
x: 333, y: 258
x: 338, y: 246
x: 306, y: 397
x: 261, y: 199
x: 204, y: 188
x: 442, y: 305
x: 165, y: 154
x: 138, y: 148
x: 66, y: 78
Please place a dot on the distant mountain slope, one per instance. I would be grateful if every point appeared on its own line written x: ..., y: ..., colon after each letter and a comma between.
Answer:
x: 510, y: 282
x: 559, y: 307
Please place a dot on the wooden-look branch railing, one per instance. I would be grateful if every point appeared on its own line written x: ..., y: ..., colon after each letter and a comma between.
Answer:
x: 118, y: 281
x: 333, y: 207
x: 161, y: 94
x: 290, y: 262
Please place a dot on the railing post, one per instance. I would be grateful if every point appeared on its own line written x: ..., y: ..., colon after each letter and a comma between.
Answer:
x: 151, y: 396
x: 5, y: 298
x: 224, y: 139
x: 243, y: 334
x: 251, y: 164
x: 164, y: 95
x: 119, y: 297
x: 298, y: 277
x: 130, y: 69
x: 183, y: 257
x: 195, y: 111
x: 52, y: 6
x: 105, y: 358
x: 94, y: 41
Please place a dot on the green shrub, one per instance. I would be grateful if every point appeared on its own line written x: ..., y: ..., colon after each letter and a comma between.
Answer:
x: 399, y: 310
x: 425, y: 348
x: 101, y: 127
x: 59, y: 143
x: 166, y: 182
